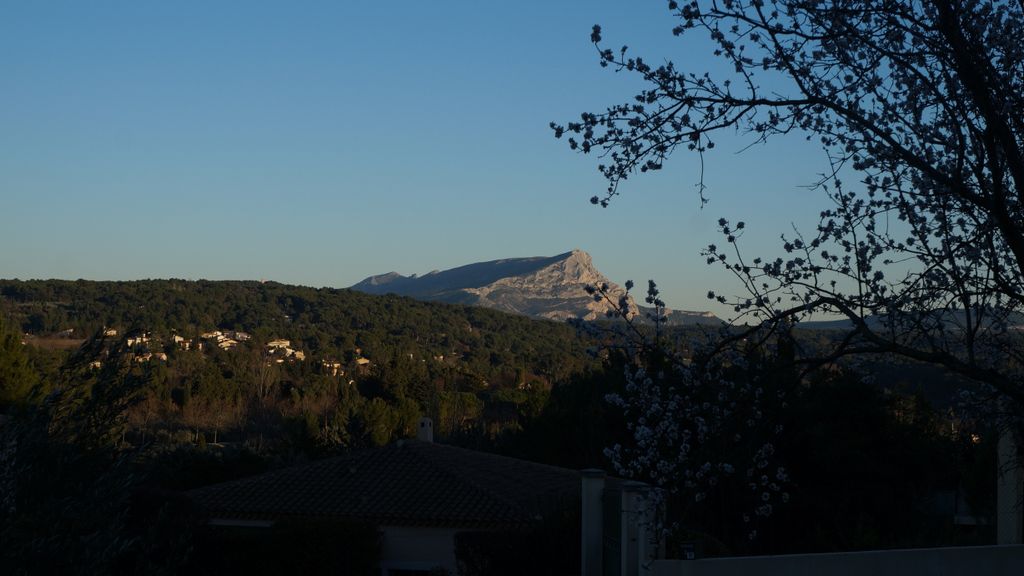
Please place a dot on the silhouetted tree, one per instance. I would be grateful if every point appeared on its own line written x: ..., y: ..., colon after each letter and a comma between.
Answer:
x: 66, y: 476
x: 17, y: 377
x: 920, y: 103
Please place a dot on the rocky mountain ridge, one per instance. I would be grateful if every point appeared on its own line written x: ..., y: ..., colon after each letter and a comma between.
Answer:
x: 542, y: 287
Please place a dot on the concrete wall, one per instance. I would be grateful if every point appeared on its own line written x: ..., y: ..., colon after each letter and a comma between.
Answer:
x: 1009, y: 492
x: 973, y: 561
x: 407, y: 548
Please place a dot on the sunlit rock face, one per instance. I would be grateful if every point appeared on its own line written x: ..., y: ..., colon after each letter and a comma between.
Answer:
x: 543, y: 287
x: 555, y: 290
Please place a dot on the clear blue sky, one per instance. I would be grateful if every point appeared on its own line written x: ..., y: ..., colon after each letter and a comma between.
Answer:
x: 319, y: 143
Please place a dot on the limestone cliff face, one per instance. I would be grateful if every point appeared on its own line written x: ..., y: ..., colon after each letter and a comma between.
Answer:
x: 543, y: 287
x: 556, y: 290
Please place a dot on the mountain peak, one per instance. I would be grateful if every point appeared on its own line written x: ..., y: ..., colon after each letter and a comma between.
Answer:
x: 548, y: 287
x: 552, y: 287
x: 382, y: 279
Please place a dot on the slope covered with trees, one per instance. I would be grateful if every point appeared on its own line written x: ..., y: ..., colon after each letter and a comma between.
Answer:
x: 364, y: 367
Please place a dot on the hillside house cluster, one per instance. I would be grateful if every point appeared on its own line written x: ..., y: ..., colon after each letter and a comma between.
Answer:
x: 139, y: 341
x: 143, y: 347
x: 150, y: 356
x: 281, y: 350
x: 225, y: 340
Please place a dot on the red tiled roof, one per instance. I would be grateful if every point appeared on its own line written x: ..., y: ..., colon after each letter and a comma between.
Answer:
x: 407, y: 483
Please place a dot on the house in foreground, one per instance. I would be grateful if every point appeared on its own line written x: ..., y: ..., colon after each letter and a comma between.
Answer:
x: 424, y: 501
x: 423, y: 508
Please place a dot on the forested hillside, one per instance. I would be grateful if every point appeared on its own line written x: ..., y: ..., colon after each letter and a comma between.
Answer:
x: 360, y: 369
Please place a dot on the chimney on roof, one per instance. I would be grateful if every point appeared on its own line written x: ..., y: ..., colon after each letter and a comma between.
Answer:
x: 425, y: 433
